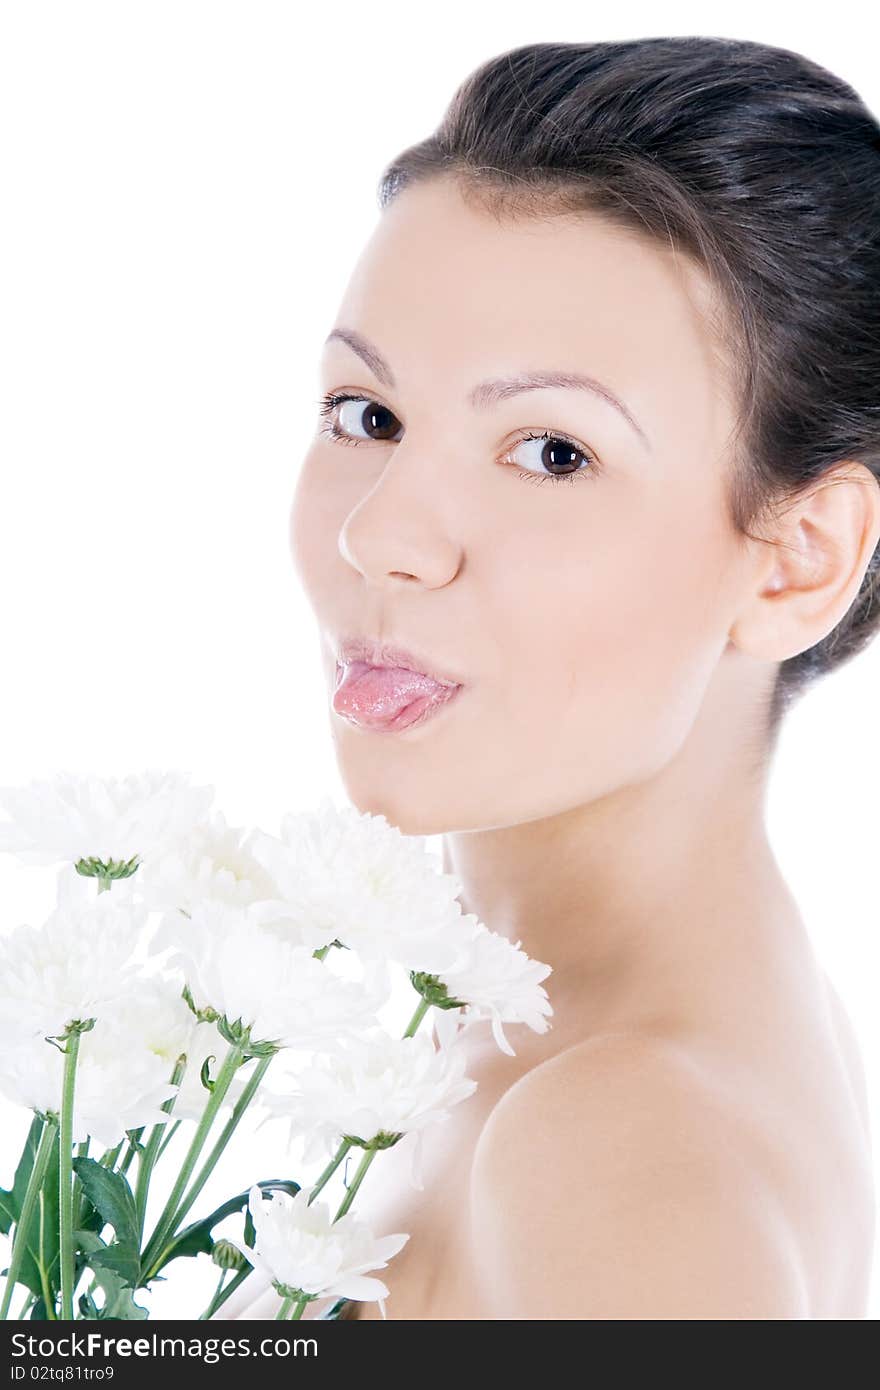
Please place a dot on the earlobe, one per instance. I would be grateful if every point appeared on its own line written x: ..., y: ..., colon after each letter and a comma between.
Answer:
x: 810, y: 569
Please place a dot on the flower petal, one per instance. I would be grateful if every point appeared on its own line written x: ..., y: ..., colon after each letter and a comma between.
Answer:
x: 499, y: 1036
x: 358, y: 1286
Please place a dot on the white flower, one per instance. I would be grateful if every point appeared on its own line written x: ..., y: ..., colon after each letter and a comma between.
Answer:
x: 72, y: 817
x: 276, y: 988
x: 370, y: 1084
x: 499, y: 981
x: 156, y: 1017
x: 356, y: 878
x: 300, y: 1247
x: 74, y: 967
x: 446, y: 1024
x: 214, y: 861
x: 118, y: 1083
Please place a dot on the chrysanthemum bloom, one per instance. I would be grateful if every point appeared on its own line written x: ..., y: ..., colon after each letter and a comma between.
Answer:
x: 497, y: 980
x: 372, y: 1086
x: 69, y: 817
x: 355, y: 878
x: 72, y: 968
x: 277, y: 989
x: 157, y: 1019
x: 120, y: 1084
x: 303, y: 1251
x: 214, y: 861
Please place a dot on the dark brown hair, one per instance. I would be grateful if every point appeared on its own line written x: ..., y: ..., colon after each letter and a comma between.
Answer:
x: 762, y: 166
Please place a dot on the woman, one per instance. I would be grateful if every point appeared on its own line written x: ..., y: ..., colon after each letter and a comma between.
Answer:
x: 642, y: 276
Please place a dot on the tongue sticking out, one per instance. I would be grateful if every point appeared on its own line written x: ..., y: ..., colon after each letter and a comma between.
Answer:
x: 377, y: 696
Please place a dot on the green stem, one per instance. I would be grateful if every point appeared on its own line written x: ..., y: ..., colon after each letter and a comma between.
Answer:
x: 48, y: 1296
x: 132, y: 1149
x: 166, y: 1224
x: 218, y: 1300
x: 300, y: 1307
x: 168, y: 1137
x: 82, y: 1151
x: 27, y: 1305
x: 214, y: 1305
x: 226, y: 1134
x: 284, y: 1309
x: 65, y: 1175
x: 108, y: 1160
x: 412, y: 1026
x: 369, y: 1155
x: 152, y: 1150
x: 330, y: 1169
x: 38, y: 1172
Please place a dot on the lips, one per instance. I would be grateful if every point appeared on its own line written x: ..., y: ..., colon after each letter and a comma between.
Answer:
x: 376, y: 692
x: 388, y: 654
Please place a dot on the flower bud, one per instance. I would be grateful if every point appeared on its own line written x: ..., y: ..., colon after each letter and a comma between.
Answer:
x: 227, y: 1256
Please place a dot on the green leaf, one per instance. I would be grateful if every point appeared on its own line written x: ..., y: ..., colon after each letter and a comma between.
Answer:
x: 250, y: 1230
x: 123, y: 1260
x: 118, y: 1296
x: 87, y: 1241
x: 46, y: 1206
x: 88, y: 1308
x: 84, y: 1244
x: 111, y: 1195
x: 12, y: 1198
x: 123, y: 1306
x: 90, y: 1218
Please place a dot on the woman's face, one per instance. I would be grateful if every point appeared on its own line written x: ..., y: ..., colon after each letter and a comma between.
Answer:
x: 580, y: 587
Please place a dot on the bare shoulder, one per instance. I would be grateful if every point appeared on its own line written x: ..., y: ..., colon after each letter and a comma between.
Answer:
x: 609, y: 1182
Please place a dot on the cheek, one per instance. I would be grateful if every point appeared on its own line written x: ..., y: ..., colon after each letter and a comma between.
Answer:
x: 613, y: 631
x: 313, y: 530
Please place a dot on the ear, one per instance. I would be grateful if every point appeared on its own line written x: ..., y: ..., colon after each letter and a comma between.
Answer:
x: 811, y: 567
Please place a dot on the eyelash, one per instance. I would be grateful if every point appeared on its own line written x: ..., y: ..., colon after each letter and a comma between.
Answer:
x: 329, y: 428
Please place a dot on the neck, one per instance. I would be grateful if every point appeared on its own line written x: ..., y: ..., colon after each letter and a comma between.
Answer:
x: 648, y: 898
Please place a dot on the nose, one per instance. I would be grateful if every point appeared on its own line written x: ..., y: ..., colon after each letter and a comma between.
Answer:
x: 398, y: 531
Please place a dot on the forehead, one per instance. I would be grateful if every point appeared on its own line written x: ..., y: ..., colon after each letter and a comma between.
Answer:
x: 444, y: 287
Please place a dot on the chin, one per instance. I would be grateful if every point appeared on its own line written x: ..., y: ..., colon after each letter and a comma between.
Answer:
x: 415, y: 797
x: 410, y: 816
x: 425, y: 808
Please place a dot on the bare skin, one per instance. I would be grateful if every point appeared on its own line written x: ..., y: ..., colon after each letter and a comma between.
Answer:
x: 690, y: 1139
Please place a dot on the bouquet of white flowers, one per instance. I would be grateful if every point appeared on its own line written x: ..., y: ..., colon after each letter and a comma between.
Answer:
x: 164, y: 1003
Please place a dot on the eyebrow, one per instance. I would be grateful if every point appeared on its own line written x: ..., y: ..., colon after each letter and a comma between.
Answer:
x: 494, y: 389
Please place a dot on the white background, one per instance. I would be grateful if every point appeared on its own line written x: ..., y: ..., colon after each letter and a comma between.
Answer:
x: 185, y: 188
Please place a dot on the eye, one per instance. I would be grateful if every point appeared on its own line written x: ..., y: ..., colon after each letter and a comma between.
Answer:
x: 351, y: 419
x: 556, y: 459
